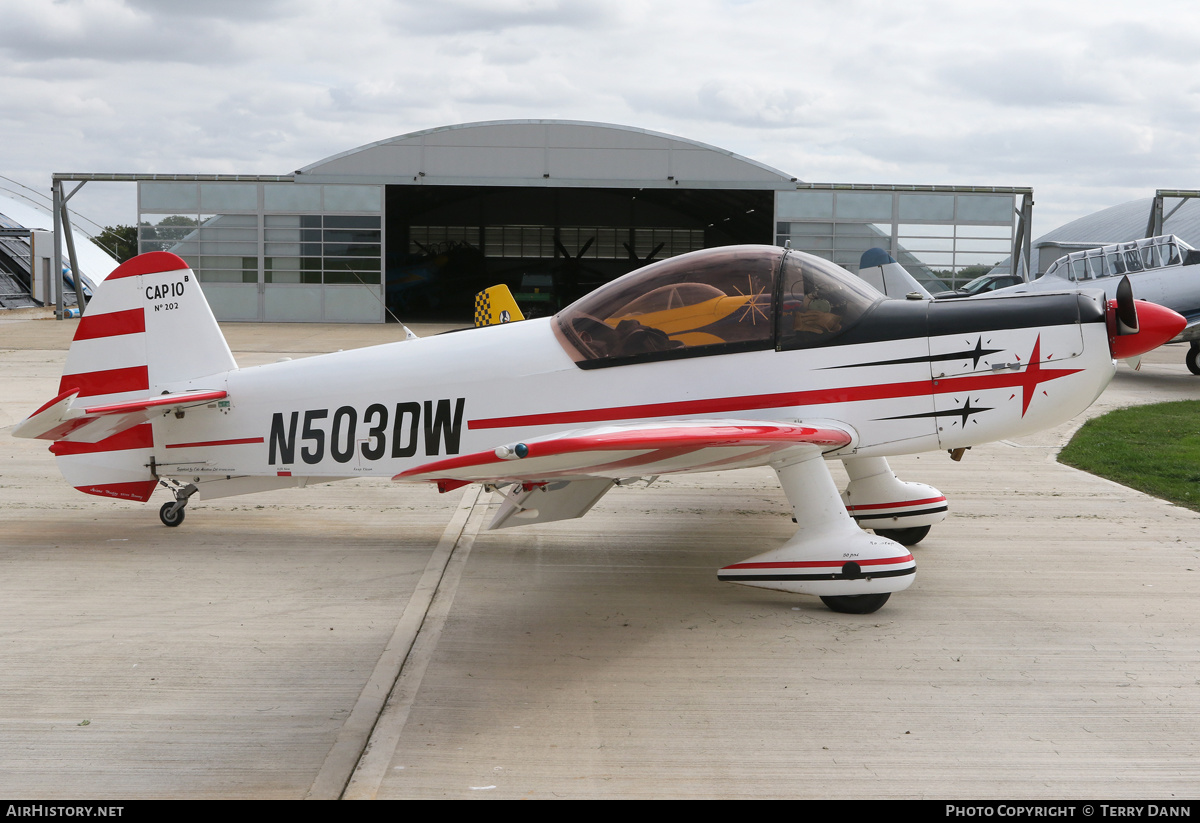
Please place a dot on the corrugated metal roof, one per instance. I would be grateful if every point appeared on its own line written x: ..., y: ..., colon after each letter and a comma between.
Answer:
x: 1118, y: 224
x: 545, y: 153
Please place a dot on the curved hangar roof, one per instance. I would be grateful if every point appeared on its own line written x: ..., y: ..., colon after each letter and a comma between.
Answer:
x: 1116, y: 224
x: 547, y: 153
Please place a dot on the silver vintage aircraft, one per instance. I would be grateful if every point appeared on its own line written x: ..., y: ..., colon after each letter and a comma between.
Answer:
x: 1159, y: 269
x: 719, y: 359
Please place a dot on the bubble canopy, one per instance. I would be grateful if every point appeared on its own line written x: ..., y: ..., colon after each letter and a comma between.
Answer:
x: 715, y: 301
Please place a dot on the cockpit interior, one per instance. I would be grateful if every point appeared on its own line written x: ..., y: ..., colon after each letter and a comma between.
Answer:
x: 715, y: 301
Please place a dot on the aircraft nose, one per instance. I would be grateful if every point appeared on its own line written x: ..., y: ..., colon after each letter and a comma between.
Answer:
x: 1156, y: 325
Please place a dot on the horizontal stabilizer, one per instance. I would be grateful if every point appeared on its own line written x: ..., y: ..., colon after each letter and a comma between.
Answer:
x: 61, y: 420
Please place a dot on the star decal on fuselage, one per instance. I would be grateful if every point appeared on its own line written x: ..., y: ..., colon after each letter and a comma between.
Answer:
x: 974, y: 355
x: 1028, y: 380
x: 965, y: 411
x: 980, y: 352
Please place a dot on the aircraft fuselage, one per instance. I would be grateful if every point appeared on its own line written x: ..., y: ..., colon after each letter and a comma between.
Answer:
x: 920, y: 377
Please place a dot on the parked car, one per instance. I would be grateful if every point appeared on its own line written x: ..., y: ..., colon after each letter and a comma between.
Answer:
x: 981, y: 285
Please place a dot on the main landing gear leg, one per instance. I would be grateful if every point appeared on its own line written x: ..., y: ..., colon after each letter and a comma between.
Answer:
x: 171, y: 514
x: 890, y: 507
x: 828, y: 556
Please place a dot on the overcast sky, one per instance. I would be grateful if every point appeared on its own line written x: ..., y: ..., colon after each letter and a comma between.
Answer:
x: 1092, y: 104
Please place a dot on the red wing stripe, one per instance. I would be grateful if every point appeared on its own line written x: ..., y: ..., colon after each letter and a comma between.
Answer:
x: 810, y: 564
x: 152, y: 262
x: 650, y: 459
x: 92, y: 326
x: 701, y: 437
x: 138, y: 437
x: 203, y: 443
x: 108, y: 381
x: 871, y: 506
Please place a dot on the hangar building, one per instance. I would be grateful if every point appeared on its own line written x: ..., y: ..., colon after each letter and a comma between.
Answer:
x: 552, y: 208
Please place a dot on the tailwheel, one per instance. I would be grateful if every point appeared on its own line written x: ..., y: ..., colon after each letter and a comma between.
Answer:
x: 905, y: 537
x: 856, y: 603
x: 171, y: 514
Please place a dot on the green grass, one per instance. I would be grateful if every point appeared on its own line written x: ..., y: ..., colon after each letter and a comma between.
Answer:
x: 1154, y: 449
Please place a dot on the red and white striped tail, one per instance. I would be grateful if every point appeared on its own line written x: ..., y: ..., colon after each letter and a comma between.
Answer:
x: 148, y: 331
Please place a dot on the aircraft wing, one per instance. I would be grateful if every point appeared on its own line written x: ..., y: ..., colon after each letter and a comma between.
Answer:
x: 562, y: 476
x: 634, y: 450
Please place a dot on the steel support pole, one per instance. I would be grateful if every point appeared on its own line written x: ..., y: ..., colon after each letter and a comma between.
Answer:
x: 56, y: 274
x: 75, y: 270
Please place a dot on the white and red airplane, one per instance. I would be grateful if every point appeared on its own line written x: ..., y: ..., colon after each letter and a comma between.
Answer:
x: 719, y: 359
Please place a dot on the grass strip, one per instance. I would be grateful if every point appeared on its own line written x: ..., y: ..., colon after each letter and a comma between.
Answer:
x: 1154, y: 449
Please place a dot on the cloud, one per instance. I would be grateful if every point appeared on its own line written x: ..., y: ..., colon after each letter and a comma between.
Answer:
x: 112, y: 32
x: 495, y: 16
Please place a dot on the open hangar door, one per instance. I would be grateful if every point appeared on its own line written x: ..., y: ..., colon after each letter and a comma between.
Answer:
x: 549, y: 245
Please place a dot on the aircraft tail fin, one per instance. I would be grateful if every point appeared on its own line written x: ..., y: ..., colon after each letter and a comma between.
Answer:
x: 147, y: 344
x: 882, y: 271
x: 496, y: 305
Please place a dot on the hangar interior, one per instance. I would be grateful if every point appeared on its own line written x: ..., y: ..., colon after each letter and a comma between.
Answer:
x: 549, y: 245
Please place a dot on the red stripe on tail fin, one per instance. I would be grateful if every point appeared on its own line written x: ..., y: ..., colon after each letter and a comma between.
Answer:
x: 92, y: 326
x: 107, y: 381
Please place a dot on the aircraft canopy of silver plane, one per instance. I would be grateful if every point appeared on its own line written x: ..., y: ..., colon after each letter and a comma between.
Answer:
x: 1118, y: 259
x: 720, y: 359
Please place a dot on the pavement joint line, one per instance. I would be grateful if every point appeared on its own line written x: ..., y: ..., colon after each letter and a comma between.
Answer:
x: 354, y: 739
x: 373, y: 766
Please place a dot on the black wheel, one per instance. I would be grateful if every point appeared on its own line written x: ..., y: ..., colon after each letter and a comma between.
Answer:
x: 856, y: 603
x: 1192, y: 365
x: 905, y: 537
x: 169, y: 517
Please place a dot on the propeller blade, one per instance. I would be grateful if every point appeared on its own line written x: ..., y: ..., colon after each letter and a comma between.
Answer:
x: 1127, y: 319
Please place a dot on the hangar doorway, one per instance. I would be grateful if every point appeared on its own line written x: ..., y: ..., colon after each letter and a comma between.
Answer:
x: 549, y: 245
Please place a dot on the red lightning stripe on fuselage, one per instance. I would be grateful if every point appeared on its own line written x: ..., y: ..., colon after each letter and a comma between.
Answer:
x: 1027, y: 380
